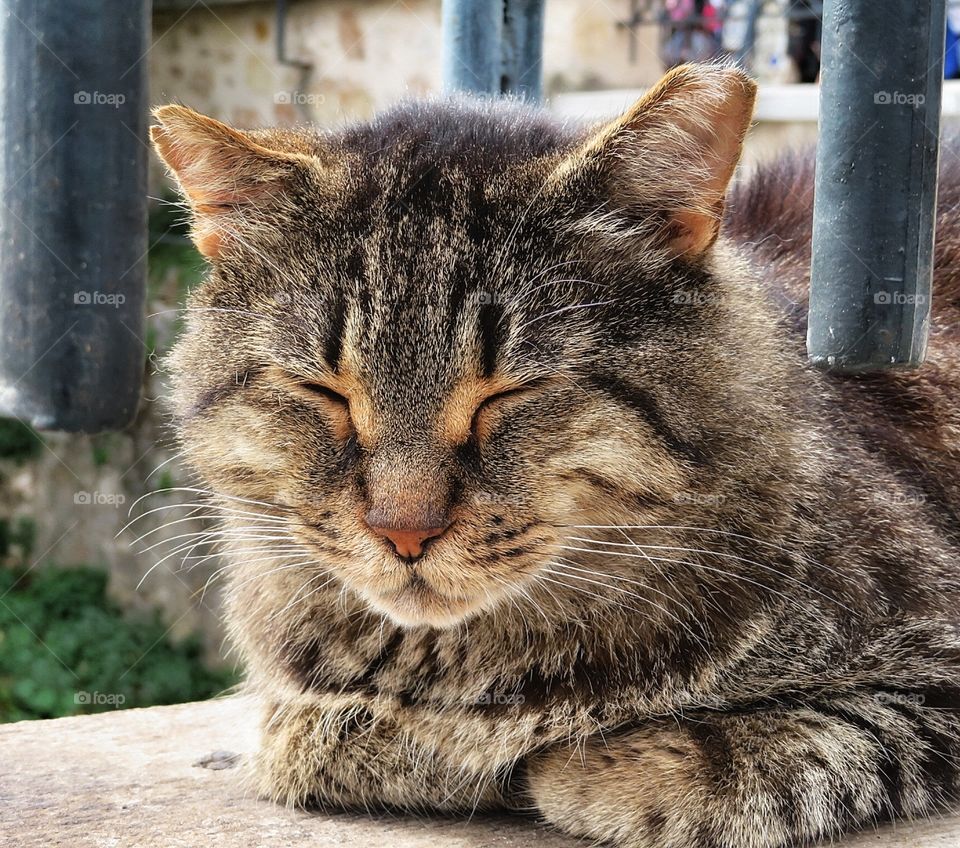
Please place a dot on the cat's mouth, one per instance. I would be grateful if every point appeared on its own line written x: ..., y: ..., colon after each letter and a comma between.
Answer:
x: 418, y: 603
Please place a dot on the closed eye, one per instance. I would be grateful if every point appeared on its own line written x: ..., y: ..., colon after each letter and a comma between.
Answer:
x: 491, y: 404
x: 500, y: 397
x: 324, y: 392
x: 336, y: 406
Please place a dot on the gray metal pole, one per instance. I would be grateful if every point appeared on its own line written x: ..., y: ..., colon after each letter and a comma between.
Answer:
x: 875, y: 205
x: 523, y: 49
x: 472, y: 45
x: 73, y: 235
x: 493, y: 47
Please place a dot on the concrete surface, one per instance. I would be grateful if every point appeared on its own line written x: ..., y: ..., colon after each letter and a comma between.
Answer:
x: 169, y: 777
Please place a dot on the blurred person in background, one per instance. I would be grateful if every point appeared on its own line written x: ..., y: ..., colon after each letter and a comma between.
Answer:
x: 803, y: 44
x: 951, y: 59
x: 693, y: 31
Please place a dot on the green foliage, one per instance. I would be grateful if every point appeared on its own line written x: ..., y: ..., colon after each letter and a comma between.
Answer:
x: 65, y: 649
x: 165, y: 481
x: 16, y: 538
x: 100, y: 449
x: 17, y: 440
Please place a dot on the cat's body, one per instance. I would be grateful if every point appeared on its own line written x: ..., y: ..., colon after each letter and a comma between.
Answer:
x: 651, y: 576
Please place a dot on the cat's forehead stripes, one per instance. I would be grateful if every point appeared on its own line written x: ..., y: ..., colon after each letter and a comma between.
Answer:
x: 333, y: 346
x: 492, y: 330
x: 415, y: 370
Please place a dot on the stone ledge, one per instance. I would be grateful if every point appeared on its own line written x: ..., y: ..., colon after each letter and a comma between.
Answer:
x: 129, y: 778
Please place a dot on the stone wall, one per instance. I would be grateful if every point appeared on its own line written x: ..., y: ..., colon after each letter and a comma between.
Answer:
x: 363, y: 56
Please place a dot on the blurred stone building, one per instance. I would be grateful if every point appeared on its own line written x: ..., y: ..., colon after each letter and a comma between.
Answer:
x: 356, y: 56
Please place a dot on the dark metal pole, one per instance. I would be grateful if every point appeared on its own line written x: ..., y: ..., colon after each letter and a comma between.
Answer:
x: 523, y: 49
x: 875, y: 206
x: 493, y: 46
x: 73, y: 234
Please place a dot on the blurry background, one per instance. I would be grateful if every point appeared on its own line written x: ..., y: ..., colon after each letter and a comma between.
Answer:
x: 89, y: 622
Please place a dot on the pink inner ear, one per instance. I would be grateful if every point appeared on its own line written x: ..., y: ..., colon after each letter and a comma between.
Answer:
x: 211, y: 172
x: 712, y: 117
x: 698, y: 228
x: 719, y: 145
x: 675, y: 151
x: 694, y: 233
x: 186, y: 161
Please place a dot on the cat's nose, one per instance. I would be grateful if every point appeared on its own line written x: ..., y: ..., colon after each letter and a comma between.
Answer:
x: 408, y: 542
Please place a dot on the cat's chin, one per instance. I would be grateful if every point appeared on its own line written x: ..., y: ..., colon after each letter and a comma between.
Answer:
x: 423, y: 606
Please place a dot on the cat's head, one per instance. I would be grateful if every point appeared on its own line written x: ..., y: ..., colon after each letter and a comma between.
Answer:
x: 439, y: 340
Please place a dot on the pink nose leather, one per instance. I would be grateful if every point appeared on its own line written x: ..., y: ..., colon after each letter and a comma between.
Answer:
x: 408, y: 543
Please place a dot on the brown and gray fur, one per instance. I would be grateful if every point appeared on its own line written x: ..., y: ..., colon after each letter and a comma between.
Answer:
x: 695, y: 594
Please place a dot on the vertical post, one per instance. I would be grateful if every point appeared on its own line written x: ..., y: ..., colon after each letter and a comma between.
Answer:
x: 875, y: 196
x: 472, y: 36
x: 493, y: 47
x: 523, y: 49
x: 73, y: 234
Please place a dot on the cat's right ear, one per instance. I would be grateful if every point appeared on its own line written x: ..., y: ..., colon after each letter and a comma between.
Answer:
x: 224, y: 174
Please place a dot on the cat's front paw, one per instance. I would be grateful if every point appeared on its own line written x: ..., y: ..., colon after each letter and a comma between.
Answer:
x: 643, y: 789
x: 344, y: 752
x: 294, y: 764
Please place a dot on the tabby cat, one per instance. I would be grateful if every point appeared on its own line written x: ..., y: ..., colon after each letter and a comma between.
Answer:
x: 530, y: 498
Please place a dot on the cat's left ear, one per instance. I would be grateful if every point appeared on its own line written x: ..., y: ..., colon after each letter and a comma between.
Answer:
x: 224, y: 173
x: 668, y: 160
